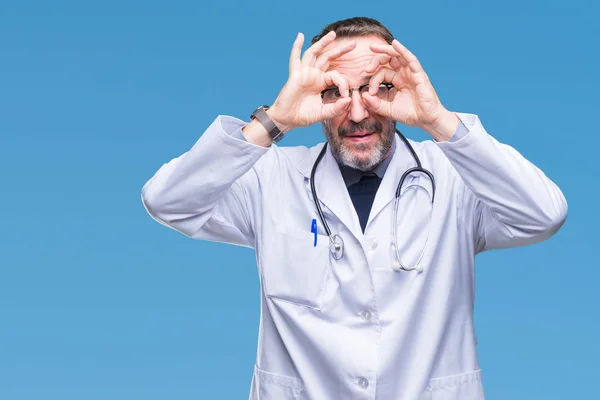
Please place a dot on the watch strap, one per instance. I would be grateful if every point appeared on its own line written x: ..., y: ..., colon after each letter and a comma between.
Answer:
x: 261, y: 115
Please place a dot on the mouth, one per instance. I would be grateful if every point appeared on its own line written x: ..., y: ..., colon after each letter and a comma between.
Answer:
x: 362, y: 136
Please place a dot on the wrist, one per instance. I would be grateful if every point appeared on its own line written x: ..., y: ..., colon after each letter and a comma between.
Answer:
x: 255, y: 133
x: 260, y: 118
x: 274, y: 114
x: 444, y: 127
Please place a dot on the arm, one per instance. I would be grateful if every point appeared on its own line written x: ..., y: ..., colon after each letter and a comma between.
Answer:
x: 213, y: 191
x: 210, y: 191
x: 507, y: 200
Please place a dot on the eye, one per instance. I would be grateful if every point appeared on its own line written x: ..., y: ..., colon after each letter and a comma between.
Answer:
x: 331, y: 94
x: 384, y: 89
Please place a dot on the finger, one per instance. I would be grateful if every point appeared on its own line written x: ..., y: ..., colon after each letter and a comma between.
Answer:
x: 377, y: 62
x: 383, y: 60
x: 322, y: 62
x: 317, y: 48
x: 333, y: 78
x: 382, y: 75
x: 386, y: 49
x: 337, y: 108
x: 375, y: 104
x: 295, y: 62
x: 410, y: 58
x: 394, y: 58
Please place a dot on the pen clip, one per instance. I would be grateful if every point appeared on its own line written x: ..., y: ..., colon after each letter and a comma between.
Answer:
x: 313, y: 229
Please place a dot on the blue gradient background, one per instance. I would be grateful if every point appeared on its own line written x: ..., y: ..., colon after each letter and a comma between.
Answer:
x: 98, y: 301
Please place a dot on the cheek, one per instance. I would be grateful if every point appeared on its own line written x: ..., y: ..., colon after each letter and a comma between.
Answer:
x: 335, y: 123
x: 386, y: 125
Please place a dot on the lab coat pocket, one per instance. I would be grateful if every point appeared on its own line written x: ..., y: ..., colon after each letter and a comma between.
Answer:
x: 295, y: 269
x: 467, y: 386
x: 270, y: 386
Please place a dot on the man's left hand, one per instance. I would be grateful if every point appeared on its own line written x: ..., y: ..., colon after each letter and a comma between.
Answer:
x: 413, y: 100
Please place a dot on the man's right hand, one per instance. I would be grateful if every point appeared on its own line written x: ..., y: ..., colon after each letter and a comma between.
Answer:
x: 299, y: 103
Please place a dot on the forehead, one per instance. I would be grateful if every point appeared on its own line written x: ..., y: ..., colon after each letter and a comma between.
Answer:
x: 352, y: 65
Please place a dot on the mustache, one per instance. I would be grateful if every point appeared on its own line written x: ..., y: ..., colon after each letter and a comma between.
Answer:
x: 353, y: 127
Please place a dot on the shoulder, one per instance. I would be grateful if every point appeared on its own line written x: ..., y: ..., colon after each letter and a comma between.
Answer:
x: 429, y: 150
x: 434, y: 159
x: 298, y: 158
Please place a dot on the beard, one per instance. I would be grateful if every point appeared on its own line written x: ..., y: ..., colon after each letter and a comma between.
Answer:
x: 353, y: 155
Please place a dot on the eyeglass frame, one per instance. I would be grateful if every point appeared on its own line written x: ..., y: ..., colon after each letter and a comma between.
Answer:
x: 386, y: 84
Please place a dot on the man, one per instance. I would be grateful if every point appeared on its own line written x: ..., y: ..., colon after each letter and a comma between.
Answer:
x: 388, y: 313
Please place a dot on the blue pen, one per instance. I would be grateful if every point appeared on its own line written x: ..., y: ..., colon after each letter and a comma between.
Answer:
x: 313, y: 229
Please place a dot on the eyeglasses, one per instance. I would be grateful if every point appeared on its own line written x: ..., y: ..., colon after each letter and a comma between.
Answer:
x: 331, y: 95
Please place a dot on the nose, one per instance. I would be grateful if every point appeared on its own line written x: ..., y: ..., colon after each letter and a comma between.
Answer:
x: 358, y: 112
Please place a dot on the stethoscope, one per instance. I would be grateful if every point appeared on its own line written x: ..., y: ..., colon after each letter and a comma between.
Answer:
x: 336, y: 243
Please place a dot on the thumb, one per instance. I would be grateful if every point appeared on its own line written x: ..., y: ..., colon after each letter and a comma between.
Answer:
x: 372, y: 102
x: 337, y: 108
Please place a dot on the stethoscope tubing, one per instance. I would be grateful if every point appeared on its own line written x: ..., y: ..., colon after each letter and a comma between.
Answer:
x: 337, y: 247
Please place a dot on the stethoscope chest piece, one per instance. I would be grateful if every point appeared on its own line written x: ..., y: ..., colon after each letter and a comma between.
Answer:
x: 336, y: 246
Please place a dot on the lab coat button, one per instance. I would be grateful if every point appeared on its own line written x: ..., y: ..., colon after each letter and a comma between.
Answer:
x: 371, y: 242
x: 366, y: 315
x: 363, y: 383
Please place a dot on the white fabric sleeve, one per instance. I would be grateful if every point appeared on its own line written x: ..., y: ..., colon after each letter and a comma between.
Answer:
x: 212, y: 191
x: 506, y: 200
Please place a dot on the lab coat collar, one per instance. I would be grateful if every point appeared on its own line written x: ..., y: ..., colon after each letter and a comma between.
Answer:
x: 331, y: 189
x: 402, y: 160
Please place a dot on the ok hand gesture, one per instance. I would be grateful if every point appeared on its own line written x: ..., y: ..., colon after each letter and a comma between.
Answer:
x: 299, y: 103
x: 413, y: 101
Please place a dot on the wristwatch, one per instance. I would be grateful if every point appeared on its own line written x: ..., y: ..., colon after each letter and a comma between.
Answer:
x: 261, y: 115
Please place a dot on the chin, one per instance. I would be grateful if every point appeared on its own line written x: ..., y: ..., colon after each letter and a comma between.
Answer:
x: 361, y: 156
x: 362, y: 160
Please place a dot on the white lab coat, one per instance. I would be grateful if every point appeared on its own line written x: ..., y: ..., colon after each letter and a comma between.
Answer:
x: 356, y: 328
